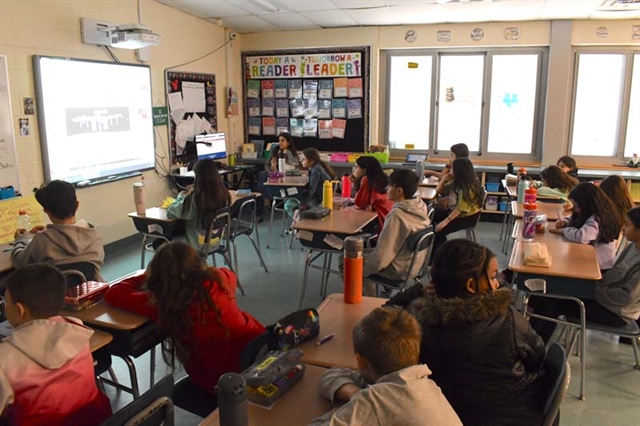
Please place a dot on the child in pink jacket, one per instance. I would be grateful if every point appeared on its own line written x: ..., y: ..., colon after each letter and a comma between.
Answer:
x: 46, y: 368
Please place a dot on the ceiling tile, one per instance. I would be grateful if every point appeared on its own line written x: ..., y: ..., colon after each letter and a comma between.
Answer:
x: 377, y: 16
x: 419, y: 14
x: 330, y: 18
x: 569, y: 9
x: 206, y: 9
x: 289, y: 21
x: 516, y: 10
x: 468, y: 12
x: 308, y: 5
x: 249, y: 24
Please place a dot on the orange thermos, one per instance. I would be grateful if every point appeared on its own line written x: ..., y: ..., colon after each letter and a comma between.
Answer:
x: 353, y: 248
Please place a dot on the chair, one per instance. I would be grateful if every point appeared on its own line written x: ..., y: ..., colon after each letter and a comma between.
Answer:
x: 278, y: 203
x: 218, y: 238
x: 575, y: 328
x: 78, y: 273
x: 470, y: 232
x: 418, y: 242
x: 154, y: 407
x: 191, y: 398
x: 243, y: 218
x: 254, y: 350
x: 555, y: 382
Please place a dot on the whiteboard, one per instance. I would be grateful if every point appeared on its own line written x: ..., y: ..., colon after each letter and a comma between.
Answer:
x: 8, y: 159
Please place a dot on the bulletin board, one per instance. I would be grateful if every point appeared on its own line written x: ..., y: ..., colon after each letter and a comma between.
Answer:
x: 191, y: 101
x: 320, y: 96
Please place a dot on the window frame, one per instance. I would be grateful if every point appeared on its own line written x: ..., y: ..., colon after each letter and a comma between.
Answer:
x: 489, y: 53
x: 625, y: 99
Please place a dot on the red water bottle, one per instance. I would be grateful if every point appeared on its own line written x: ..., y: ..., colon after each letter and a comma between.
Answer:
x: 353, y: 262
x: 346, y: 186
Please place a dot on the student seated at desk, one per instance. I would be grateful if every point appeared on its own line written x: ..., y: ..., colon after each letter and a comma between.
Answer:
x: 65, y: 240
x: 459, y: 150
x: 465, y: 201
x: 483, y: 353
x: 195, y: 308
x: 286, y: 148
x: 371, y: 182
x: 568, y: 165
x: 46, y: 368
x: 594, y: 221
x: 617, y: 295
x: 391, y: 387
x: 391, y: 258
x: 208, y: 195
x: 616, y: 189
x: 554, y: 183
x: 319, y: 172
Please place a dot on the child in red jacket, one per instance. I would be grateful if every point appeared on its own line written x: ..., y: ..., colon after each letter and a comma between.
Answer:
x: 372, y: 188
x: 46, y: 368
x: 195, y: 307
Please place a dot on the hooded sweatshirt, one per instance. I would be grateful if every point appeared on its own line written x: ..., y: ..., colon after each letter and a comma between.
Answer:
x: 619, y: 289
x: 62, y: 244
x: 391, y: 256
x: 47, y: 376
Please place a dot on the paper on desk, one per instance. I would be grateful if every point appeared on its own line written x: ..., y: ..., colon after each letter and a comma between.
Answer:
x: 175, y: 102
x: 292, y: 191
x: 154, y: 227
x: 333, y: 241
x: 193, y: 96
x: 305, y: 235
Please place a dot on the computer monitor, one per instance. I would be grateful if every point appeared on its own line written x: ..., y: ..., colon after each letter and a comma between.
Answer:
x: 211, y: 146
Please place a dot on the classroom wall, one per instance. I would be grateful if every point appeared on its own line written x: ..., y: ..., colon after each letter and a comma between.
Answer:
x: 51, y: 27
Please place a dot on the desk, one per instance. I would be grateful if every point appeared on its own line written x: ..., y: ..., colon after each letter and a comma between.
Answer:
x: 299, y: 406
x: 5, y: 257
x: 312, y: 234
x: 427, y: 193
x: 573, y: 271
x: 98, y: 340
x: 430, y: 181
x: 184, y: 180
x: 340, y: 318
x: 133, y: 335
x: 550, y: 209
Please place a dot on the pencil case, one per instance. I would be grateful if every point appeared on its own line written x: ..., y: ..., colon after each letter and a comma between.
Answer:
x: 84, y: 295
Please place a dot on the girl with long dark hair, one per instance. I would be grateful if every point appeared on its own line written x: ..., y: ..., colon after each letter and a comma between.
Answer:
x: 208, y: 195
x: 594, y: 221
x: 555, y: 183
x: 371, y: 182
x: 617, y: 190
x: 196, y: 311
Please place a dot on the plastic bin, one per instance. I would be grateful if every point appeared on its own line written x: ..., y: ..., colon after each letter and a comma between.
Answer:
x: 502, y: 206
x: 353, y: 157
x: 493, y: 187
x: 339, y: 157
x: 382, y: 157
x: 491, y: 204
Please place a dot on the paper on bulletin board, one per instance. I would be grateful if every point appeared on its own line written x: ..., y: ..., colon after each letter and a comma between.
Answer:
x: 9, y: 215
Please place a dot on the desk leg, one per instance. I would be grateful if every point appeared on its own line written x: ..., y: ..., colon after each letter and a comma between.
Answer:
x: 135, y: 391
x: 152, y: 366
x: 142, y: 254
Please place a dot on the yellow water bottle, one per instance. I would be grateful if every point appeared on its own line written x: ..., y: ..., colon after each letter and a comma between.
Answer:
x: 327, y: 195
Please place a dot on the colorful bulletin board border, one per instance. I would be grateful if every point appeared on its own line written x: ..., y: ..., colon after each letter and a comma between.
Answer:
x: 9, y: 215
x: 174, y: 83
x: 305, y: 83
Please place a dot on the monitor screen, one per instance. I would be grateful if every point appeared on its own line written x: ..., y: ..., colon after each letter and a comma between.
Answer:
x: 212, y: 146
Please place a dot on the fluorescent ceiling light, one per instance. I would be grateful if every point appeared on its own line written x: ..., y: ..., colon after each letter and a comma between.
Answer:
x: 265, y: 5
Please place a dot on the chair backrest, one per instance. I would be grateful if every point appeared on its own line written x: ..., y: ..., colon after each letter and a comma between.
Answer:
x: 243, y: 213
x: 254, y: 350
x: 219, y: 226
x: 555, y: 382
x: 418, y: 242
x: 78, y: 272
x: 154, y: 407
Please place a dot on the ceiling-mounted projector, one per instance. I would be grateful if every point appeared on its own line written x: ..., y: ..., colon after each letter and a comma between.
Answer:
x: 129, y: 36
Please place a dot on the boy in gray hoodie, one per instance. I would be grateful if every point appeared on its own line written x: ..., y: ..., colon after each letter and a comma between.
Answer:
x: 391, y: 257
x: 65, y: 240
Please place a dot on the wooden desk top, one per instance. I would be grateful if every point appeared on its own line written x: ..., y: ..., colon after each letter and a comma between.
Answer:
x: 427, y: 192
x: 570, y: 260
x: 550, y: 209
x: 512, y: 191
x: 235, y: 197
x: 430, y: 181
x: 340, y: 318
x: 157, y: 214
x: 347, y: 222
x: 290, y: 181
x: 99, y: 340
x: 299, y: 406
x: 104, y: 315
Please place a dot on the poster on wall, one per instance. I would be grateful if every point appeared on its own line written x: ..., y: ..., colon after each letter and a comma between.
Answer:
x: 355, y: 87
x: 340, y: 87
x: 253, y: 89
x: 281, y: 88
x: 347, y: 64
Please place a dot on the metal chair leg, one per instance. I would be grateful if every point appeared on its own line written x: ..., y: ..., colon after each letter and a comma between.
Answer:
x: 256, y: 246
x: 304, y: 279
x: 635, y: 342
x: 142, y: 254
x: 152, y: 366
x: 273, y: 210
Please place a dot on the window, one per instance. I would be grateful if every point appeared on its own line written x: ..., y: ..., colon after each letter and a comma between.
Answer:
x: 513, y: 103
x: 632, y: 142
x: 460, y: 101
x: 605, y: 123
x: 486, y: 99
x: 410, y: 101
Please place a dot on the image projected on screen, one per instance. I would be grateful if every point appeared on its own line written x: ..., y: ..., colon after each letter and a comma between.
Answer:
x: 95, y: 118
x: 212, y: 146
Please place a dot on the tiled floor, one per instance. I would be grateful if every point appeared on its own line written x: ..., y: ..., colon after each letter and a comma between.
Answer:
x: 613, y: 386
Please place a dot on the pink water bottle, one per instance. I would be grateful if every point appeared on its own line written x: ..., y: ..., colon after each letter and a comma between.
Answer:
x: 346, y: 186
x: 529, y: 221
